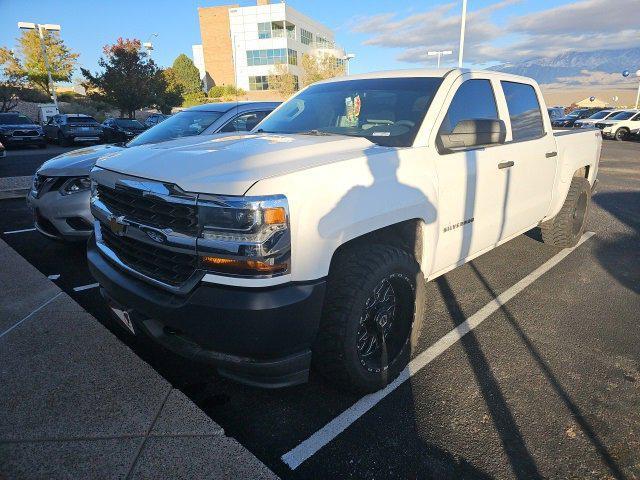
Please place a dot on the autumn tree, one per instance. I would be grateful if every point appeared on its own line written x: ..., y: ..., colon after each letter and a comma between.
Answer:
x: 319, y: 67
x: 130, y: 79
x: 283, y: 81
x: 28, y: 61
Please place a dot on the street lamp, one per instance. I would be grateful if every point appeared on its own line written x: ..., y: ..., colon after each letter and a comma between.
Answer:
x: 462, y: 26
x: 41, y: 29
x: 440, y: 54
x: 347, y: 58
x: 148, y: 45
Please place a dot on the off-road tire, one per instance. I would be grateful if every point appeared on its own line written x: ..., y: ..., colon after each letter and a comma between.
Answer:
x: 563, y: 229
x: 354, y: 274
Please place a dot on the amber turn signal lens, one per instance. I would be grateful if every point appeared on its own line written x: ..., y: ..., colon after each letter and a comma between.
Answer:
x: 229, y: 265
x: 274, y: 215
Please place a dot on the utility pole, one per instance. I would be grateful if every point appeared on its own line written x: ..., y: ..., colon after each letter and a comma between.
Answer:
x: 41, y: 29
x: 462, y: 27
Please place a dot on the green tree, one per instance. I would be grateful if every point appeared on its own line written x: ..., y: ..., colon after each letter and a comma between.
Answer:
x: 186, y: 75
x: 283, y: 81
x: 226, y: 92
x: 130, y: 80
x: 168, y: 93
x: 320, y: 67
x: 29, y: 61
x: 11, y: 81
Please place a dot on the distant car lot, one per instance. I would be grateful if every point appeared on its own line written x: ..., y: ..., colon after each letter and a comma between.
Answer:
x: 547, y: 386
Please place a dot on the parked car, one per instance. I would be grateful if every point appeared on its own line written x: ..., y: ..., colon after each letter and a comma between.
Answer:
x: 555, y: 112
x: 620, y: 126
x: 3, y: 152
x: 67, y: 129
x: 121, y: 129
x: 568, y: 120
x: 595, y: 118
x: 18, y: 129
x: 60, y: 193
x: 154, y: 119
x: 310, y: 239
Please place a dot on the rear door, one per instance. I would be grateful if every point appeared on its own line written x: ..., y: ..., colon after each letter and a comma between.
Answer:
x: 532, y: 149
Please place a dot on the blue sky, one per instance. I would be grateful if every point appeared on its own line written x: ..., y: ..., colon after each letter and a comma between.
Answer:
x: 384, y: 34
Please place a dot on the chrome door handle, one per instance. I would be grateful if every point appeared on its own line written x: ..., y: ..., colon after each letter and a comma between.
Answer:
x: 505, y: 164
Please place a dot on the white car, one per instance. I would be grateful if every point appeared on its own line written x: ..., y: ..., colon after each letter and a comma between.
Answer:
x: 312, y: 237
x: 620, y: 126
x: 595, y: 118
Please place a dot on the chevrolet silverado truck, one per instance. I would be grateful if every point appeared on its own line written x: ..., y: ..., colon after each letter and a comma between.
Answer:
x: 308, y: 242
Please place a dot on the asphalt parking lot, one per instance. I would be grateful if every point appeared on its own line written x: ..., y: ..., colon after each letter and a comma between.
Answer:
x: 545, y: 385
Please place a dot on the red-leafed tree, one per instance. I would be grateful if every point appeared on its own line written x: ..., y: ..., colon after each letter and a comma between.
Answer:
x: 130, y: 79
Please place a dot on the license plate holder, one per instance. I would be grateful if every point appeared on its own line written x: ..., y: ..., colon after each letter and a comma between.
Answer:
x: 124, y: 316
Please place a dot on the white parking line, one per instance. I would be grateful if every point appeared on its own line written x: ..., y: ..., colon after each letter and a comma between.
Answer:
x: 335, y: 427
x: 20, y: 231
x: 86, y: 287
x: 28, y: 316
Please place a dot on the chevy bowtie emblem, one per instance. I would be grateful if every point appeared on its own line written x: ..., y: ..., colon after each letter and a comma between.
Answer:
x: 155, y: 236
x: 117, y: 224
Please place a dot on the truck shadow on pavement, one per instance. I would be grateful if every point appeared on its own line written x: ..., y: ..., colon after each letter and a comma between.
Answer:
x: 624, y: 206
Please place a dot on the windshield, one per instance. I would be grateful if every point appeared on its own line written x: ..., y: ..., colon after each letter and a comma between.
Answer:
x: 623, y: 116
x: 81, y: 120
x: 386, y: 111
x: 15, y: 120
x: 182, y: 124
x: 600, y: 114
x: 128, y: 123
x: 575, y: 114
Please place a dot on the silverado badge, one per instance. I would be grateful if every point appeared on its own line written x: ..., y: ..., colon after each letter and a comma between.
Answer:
x: 117, y: 224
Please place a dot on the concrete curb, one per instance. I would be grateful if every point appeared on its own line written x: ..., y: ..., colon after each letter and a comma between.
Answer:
x: 77, y: 403
x: 14, y: 187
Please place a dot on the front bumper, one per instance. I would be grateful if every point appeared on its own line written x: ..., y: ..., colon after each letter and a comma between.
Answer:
x: 257, y: 336
x: 64, y: 217
x: 10, y: 140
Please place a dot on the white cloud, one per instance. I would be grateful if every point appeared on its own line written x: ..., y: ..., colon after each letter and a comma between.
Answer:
x: 582, y: 25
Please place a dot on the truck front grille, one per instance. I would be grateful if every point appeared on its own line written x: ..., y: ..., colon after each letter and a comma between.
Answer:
x: 25, y: 133
x: 149, y: 210
x: 172, y: 268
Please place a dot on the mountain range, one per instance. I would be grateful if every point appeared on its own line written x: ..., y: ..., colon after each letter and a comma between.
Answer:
x: 575, y: 68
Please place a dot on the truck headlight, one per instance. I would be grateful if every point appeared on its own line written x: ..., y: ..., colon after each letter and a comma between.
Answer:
x: 244, y: 236
x: 75, y: 185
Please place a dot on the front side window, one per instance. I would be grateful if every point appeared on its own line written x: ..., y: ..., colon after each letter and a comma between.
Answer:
x: 524, y: 111
x: 182, y: 124
x: 245, y: 122
x: 599, y: 115
x: 474, y: 100
x: 386, y: 111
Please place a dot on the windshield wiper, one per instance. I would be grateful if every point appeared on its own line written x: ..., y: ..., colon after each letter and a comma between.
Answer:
x: 319, y: 133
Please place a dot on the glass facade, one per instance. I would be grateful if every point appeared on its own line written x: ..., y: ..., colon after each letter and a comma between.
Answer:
x: 272, y: 56
x: 306, y: 37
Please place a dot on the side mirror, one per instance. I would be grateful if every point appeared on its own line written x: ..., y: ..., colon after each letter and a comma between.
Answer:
x: 474, y: 133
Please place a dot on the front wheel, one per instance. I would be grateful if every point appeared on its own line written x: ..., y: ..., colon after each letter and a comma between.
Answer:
x: 622, y: 134
x: 372, y: 317
x: 566, y: 228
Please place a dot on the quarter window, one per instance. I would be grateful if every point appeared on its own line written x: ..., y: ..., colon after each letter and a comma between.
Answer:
x: 474, y: 100
x: 524, y: 111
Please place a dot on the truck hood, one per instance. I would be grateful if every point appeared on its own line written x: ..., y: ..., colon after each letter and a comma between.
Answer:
x: 229, y: 165
x: 76, y: 162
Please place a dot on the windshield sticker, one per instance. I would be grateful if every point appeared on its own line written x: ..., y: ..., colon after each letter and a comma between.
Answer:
x: 381, y: 134
x: 352, y: 110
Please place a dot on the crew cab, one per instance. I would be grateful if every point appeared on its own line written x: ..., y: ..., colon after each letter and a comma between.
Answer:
x: 308, y: 241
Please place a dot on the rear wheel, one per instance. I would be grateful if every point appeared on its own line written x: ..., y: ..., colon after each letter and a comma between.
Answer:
x: 566, y: 228
x: 622, y: 134
x: 372, y: 317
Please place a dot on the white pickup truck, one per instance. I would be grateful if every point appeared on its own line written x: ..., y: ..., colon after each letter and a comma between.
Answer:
x: 308, y: 241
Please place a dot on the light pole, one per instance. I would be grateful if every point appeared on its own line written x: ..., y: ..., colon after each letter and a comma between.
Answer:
x: 638, y: 95
x: 462, y: 25
x: 148, y: 45
x: 41, y: 29
x: 440, y: 54
x: 347, y: 58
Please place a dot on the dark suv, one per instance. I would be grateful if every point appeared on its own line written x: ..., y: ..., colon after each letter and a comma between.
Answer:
x: 70, y: 128
x: 121, y: 129
x: 18, y: 129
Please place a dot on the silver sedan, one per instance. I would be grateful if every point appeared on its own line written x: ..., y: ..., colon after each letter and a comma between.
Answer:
x: 60, y: 192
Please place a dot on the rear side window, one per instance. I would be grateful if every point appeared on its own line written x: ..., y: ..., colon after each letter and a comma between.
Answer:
x: 524, y: 111
x: 474, y: 100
